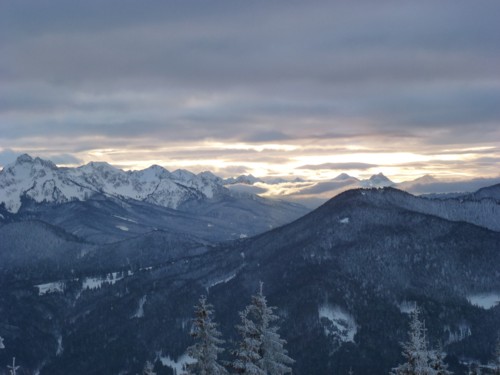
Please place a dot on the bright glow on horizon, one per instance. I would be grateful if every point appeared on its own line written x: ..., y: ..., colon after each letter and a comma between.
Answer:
x: 294, y: 161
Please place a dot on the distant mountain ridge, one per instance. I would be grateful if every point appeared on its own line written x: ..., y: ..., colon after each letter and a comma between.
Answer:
x: 104, y: 204
x: 42, y: 181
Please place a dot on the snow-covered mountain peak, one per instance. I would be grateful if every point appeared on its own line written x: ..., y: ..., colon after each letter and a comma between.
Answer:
x: 43, y: 181
x: 151, y: 173
x: 100, y: 166
x: 377, y: 180
x: 24, y: 158
x: 182, y: 175
x: 207, y: 175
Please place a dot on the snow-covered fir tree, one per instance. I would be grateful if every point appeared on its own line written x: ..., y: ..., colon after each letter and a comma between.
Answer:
x: 261, y: 349
x: 208, y: 343
x: 418, y: 358
x: 2, y: 346
x: 13, y: 368
x: 437, y: 362
x: 148, y: 369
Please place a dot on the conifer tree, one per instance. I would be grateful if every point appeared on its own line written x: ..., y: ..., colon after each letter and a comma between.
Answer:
x: 2, y: 346
x: 13, y: 369
x: 261, y: 350
x: 207, y: 346
x: 437, y: 362
x: 415, y: 350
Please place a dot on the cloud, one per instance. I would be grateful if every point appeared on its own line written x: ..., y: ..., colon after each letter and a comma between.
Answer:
x: 65, y: 159
x: 330, y: 187
x: 339, y: 166
x: 8, y: 156
x: 77, y: 77
x: 266, y: 136
x: 454, y: 186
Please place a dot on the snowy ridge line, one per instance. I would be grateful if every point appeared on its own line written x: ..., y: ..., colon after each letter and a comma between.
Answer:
x: 43, y: 181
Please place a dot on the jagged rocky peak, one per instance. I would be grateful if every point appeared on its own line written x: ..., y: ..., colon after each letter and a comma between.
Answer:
x: 26, y: 160
x: 207, y: 175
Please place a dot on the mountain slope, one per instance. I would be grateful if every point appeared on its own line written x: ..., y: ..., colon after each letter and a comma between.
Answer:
x: 342, y: 278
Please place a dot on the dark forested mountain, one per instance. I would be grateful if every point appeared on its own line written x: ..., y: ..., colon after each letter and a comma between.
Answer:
x: 344, y: 278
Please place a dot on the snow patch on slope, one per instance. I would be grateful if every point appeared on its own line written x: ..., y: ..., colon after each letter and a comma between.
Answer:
x: 484, y: 300
x: 97, y: 282
x: 407, y: 307
x: 60, y: 347
x: 221, y: 281
x: 176, y: 366
x: 89, y: 283
x: 337, y: 323
x: 55, y: 287
x: 140, y: 310
x: 457, y: 334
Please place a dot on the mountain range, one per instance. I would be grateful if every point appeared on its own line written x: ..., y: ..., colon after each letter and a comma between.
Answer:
x: 80, y: 295
x: 313, y: 193
x: 113, y: 204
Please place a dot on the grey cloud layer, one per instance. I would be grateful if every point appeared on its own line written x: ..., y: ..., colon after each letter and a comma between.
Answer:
x: 253, y: 71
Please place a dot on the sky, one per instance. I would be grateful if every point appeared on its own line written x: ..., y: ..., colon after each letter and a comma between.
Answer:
x: 289, y: 88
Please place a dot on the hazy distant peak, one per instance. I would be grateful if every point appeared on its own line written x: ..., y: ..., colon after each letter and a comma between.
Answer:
x: 377, y: 180
x: 425, y: 179
x: 343, y: 177
x: 100, y: 165
x: 209, y: 176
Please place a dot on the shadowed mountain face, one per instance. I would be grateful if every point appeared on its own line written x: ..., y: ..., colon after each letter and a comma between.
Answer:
x: 343, y: 278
